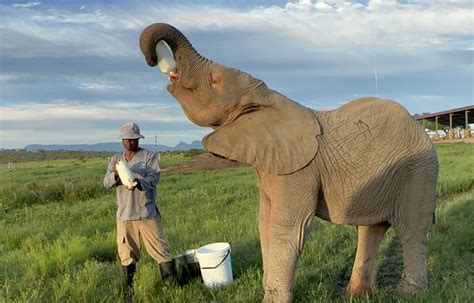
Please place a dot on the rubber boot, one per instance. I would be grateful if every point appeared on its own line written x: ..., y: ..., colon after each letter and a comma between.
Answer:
x: 128, y: 272
x: 168, y: 272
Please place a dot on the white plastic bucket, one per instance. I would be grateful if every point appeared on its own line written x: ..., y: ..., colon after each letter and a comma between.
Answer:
x: 215, y: 263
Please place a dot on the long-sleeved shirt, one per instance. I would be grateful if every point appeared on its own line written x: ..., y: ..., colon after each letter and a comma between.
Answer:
x: 139, y: 203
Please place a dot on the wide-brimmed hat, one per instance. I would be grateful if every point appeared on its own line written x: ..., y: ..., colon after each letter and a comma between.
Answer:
x: 130, y: 131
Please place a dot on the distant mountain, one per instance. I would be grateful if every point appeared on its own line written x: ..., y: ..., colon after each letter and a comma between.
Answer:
x: 111, y: 147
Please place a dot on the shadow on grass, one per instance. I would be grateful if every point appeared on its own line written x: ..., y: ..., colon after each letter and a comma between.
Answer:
x: 246, y: 256
x: 104, y: 255
x: 391, y: 264
x: 388, y: 272
x: 445, y: 273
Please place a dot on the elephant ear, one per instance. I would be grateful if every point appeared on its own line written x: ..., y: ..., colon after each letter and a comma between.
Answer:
x: 274, y: 139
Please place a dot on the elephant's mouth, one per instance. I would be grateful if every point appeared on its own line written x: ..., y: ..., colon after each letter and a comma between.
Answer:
x: 177, y: 83
x: 170, y: 87
x: 174, y: 87
x: 173, y: 78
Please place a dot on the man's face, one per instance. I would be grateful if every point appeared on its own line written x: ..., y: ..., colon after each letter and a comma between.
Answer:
x: 130, y: 144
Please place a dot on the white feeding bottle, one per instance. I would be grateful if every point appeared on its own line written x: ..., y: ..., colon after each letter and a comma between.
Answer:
x: 125, y: 174
x: 166, y: 61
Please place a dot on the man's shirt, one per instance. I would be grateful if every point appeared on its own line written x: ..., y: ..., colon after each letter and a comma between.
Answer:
x: 139, y: 203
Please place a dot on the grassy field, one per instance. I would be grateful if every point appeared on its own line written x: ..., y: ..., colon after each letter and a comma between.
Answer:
x: 58, y: 236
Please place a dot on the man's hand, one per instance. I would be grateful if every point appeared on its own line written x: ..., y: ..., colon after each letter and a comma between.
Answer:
x: 114, y: 166
x: 138, y: 185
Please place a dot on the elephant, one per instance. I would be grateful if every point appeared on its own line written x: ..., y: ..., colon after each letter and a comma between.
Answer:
x: 367, y: 163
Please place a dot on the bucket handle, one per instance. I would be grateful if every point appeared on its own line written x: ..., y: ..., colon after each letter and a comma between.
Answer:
x: 228, y: 253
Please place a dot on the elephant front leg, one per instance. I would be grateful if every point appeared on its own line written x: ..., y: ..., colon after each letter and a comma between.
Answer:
x: 264, y: 217
x: 286, y: 212
x: 285, y: 244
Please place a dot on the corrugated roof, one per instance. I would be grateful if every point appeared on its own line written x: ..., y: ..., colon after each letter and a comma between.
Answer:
x: 458, y: 116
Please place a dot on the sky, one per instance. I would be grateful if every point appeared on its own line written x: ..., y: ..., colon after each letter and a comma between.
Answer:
x: 71, y: 72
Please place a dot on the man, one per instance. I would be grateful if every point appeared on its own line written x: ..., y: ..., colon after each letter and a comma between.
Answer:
x: 137, y: 213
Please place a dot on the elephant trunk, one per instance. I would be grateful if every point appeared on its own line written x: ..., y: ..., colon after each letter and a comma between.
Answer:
x: 178, y: 43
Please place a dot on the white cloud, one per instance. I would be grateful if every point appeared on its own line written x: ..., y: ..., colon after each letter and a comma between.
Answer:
x: 54, y: 33
x: 306, y: 42
x: 324, y: 27
x: 426, y: 97
x: 101, y: 86
x: 26, y: 5
x: 73, y: 123
x: 68, y: 111
x: 9, y: 77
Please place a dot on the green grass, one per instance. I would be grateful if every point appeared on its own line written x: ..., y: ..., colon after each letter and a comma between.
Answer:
x: 456, y: 168
x: 41, y: 182
x: 63, y: 249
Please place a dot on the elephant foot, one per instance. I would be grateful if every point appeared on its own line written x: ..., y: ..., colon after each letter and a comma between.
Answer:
x: 406, y: 288
x: 274, y: 296
x: 358, y: 288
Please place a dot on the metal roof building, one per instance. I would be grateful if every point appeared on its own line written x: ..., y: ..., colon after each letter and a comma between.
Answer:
x: 455, y: 117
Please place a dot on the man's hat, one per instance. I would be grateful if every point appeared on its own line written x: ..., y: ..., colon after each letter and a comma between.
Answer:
x: 130, y: 131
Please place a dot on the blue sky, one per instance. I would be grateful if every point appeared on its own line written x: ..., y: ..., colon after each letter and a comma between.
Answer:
x: 72, y: 72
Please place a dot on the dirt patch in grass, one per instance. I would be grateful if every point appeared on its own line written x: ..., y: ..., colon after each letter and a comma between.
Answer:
x: 203, y: 161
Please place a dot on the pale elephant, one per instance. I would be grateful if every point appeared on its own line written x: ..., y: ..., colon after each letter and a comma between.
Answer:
x: 367, y: 163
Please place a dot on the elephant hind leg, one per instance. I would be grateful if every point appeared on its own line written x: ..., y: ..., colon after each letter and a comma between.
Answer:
x: 414, y: 241
x: 364, y: 271
x: 412, y: 223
